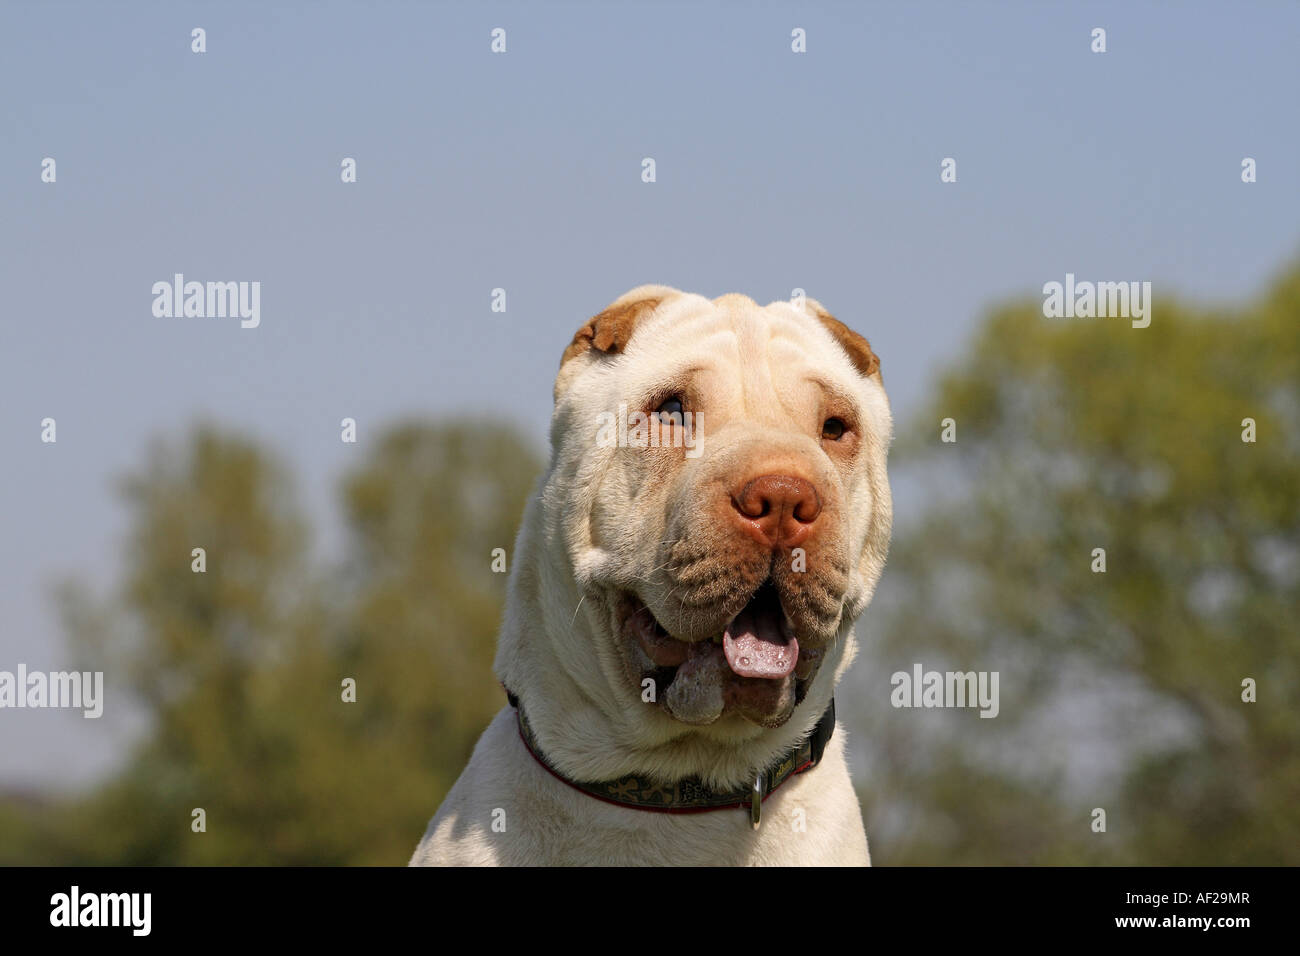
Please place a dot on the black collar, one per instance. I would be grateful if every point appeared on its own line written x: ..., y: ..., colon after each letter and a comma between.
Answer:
x: 690, y: 795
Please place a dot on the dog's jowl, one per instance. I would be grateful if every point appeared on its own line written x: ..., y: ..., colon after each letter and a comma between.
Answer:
x: 714, y: 517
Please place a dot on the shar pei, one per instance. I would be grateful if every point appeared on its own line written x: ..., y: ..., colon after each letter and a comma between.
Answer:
x: 714, y: 517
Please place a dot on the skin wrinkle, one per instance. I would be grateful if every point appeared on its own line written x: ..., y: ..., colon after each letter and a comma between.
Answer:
x: 777, y: 394
x: 751, y: 370
x: 839, y: 395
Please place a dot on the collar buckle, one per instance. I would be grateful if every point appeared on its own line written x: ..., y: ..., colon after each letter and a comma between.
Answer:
x: 756, y: 795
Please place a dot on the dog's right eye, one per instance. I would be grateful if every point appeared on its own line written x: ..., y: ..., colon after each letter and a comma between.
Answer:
x: 833, y: 429
x: 670, y: 410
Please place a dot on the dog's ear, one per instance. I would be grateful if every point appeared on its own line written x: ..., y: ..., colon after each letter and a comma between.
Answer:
x: 611, y: 330
x: 859, y: 349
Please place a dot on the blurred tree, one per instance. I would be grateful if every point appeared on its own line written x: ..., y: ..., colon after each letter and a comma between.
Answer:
x: 240, y: 668
x: 1120, y: 690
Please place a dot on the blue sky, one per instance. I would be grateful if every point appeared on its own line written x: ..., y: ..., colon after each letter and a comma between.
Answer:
x: 522, y: 171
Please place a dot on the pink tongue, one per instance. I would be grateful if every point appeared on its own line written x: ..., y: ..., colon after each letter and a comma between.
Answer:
x: 756, y: 645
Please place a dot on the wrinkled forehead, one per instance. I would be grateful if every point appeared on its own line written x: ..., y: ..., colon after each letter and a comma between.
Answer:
x: 759, y: 345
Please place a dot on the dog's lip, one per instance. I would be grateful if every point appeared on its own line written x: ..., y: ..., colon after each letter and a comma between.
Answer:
x: 660, y: 646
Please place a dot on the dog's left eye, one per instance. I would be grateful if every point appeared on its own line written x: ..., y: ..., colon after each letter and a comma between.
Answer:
x: 832, y: 429
x: 670, y: 410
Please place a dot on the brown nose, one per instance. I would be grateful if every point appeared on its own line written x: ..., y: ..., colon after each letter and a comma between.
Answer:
x: 777, y: 510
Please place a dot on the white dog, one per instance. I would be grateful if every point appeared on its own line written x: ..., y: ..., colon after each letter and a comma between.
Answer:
x: 715, y: 515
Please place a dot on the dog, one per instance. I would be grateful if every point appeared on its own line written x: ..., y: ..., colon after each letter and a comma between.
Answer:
x: 715, y: 515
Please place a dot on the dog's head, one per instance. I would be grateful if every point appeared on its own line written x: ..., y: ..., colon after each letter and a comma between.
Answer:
x: 715, y: 516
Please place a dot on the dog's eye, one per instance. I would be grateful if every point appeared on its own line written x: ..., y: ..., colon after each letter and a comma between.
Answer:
x: 670, y: 410
x: 832, y: 429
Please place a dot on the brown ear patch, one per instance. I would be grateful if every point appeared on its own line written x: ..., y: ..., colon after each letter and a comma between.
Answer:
x: 611, y: 330
x: 859, y: 349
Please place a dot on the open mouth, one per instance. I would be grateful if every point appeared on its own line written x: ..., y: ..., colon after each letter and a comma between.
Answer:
x: 754, y: 666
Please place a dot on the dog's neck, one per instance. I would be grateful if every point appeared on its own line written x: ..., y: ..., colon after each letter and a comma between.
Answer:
x: 690, y: 794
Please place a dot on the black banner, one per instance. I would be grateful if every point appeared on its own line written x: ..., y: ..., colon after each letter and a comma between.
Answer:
x: 933, y: 904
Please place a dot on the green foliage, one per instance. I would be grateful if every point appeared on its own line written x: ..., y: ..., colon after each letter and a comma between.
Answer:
x: 1082, y: 434
x: 240, y: 668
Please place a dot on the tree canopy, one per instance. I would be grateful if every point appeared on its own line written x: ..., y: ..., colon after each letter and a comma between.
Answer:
x: 1121, y: 689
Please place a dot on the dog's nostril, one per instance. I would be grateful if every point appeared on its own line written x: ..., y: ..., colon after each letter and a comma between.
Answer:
x: 751, y: 506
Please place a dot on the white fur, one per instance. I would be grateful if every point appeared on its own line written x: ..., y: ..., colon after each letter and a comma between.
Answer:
x: 593, y: 529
